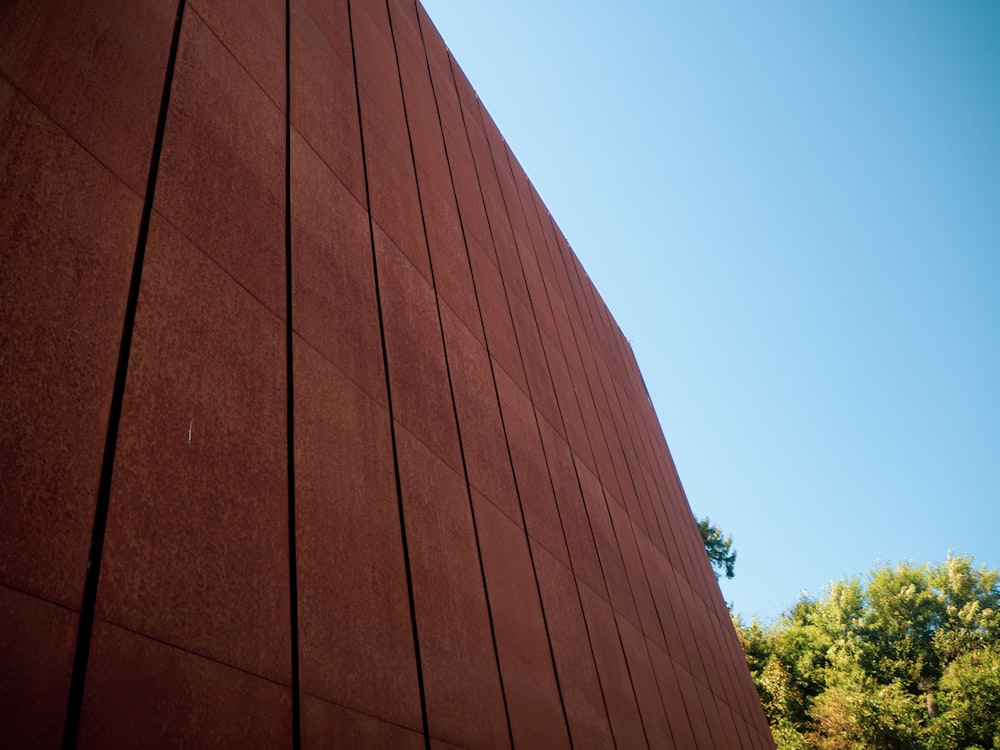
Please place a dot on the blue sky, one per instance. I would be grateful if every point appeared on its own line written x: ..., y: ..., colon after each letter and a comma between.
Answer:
x: 793, y: 211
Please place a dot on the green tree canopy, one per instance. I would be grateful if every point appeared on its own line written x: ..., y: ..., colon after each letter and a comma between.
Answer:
x: 719, y: 548
x: 909, y: 658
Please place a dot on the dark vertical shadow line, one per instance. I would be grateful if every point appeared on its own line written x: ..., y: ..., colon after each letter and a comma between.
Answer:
x: 545, y: 356
x: 591, y: 444
x: 388, y: 394
x: 615, y: 531
x: 293, y: 586
x: 626, y: 410
x: 444, y: 343
x: 88, y: 604
x: 520, y: 501
x: 562, y: 419
x: 628, y: 469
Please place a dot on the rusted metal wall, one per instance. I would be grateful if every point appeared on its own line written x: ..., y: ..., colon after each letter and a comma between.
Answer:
x: 314, y: 429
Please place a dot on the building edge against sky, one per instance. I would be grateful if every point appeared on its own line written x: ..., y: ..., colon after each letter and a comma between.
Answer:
x: 316, y: 431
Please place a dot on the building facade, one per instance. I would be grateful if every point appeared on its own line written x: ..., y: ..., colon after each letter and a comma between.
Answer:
x: 315, y: 432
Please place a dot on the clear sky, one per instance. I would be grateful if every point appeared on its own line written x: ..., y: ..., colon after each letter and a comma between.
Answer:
x: 792, y: 209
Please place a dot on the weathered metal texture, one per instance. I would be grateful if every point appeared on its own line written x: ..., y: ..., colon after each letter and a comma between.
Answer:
x: 491, y: 545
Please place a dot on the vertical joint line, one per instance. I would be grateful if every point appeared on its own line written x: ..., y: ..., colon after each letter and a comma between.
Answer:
x: 388, y: 394
x: 517, y: 339
x: 475, y: 290
x: 293, y: 588
x: 88, y: 603
x: 444, y: 341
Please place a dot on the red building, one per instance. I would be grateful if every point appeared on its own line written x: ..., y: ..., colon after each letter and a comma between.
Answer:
x: 315, y: 432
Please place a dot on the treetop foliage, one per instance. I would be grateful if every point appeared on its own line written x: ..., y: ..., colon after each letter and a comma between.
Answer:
x: 909, y: 658
x: 719, y: 548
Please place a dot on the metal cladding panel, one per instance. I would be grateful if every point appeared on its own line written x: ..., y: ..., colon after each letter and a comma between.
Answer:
x: 322, y: 436
x: 67, y: 233
x: 196, y: 548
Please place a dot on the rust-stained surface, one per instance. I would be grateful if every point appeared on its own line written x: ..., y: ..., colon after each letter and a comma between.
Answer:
x: 434, y: 508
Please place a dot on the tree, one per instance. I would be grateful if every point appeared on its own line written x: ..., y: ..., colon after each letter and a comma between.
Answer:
x: 909, y: 658
x: 720, y: 549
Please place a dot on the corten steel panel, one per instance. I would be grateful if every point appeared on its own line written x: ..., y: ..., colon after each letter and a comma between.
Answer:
x: 329, y: 17
x: 406, y: 11
x: 621, y: 413
x: 625, y: 497
x: 465, y: 91
x: 691, y: 546
x: 536, y: 367
x: 696, y: 713
x: 327, y: 726
x: 585, y: 706
x: 747, y: 702
x: 533, y: 700
x: 603, y: 463
x: 616, y: 682
x: 375, y: 58
x: 421, y: 110
x: 541, y: 515
x: 646, y: 503
x: 665, y: 543
x: 715, y: 720
x: 106, y: 95
x: 437, y: 744
x: 569, y: 407
x: 673, y: 701
x: 335, y: 308
x: 141, y: 692
x: 678, y: 591
x: 196, y: 553
x: 221, y: 179
x: 672, y: 552
x: 569, y: 330
x: 721, y: 683
x: 699, y: 625
x: 572, y: 512
x: 572, y: 336
x: 418, y: 375
x: 434, y: 45
x: 67, y: 229
x: 728, y: 723
x: 657, y: 507
x: 504, y: 175
x: 647, y: 692
x: 483, y: 438
x: 535, y: 213
x: 324, y: 106
x: 355, y: 633
x: 464, y: 699
x: 743, y: 730
x: 538, y: 292
x: 449, y: 258
x: 446, y: 99
x: 496, y: 210
x: 733, y: 675
x: 500, y: 337
x: 36, y: 653
x: 550, y: 259
x: 676, y: 627
x: 256, y: 39
x: 637, y: 574
x: 463, y: 168
x: 618, y: 593
x: 392, y: 185
x: 696, y: 658
x: 654, y: 565
x: 603, y: 397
